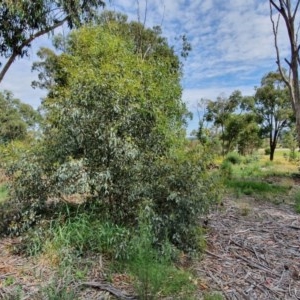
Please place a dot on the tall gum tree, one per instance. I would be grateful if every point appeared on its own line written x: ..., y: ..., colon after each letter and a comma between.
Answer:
x: 288, y: 12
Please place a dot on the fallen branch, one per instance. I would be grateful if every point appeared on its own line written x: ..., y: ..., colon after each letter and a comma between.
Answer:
x: 255, y: 265
x: 212, y: 254
x: 109, y: 288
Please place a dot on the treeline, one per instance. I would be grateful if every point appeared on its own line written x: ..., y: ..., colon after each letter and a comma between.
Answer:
x: 242, y: 123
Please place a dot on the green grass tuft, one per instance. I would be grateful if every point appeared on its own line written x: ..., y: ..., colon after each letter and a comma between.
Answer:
x: 3, y: 192
x: 250, y: 187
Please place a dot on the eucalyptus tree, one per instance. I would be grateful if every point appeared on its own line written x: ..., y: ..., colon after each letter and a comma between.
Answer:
x: 16, y: 118
x: 219, y: 112
x: 22, y: 21
x: 288, y: 11
x: 114, y: 131
x: 272, y: 108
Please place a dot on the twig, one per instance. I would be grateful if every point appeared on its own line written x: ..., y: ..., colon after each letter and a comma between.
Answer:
x: 6, y: 275
x: 293, y: 227
x: 217, y: 282
x: 255, y: 265
x: 212, y: 254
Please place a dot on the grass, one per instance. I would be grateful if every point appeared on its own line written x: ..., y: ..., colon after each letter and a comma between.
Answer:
x: 249, y: 187
x: 3, y: 192
x: 261, y: 178
x: 297, y: 202
x: 213, y: 296
x: 65, y: 245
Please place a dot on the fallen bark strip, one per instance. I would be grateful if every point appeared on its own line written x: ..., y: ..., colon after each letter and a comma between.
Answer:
x: 293, y: 227
x: 109, y: 288
x: 212, y: 254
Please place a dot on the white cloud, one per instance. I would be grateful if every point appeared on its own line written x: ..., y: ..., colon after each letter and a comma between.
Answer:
x: 232, y: 44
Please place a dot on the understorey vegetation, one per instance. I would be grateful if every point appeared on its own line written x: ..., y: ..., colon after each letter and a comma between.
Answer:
x: 111, y: 171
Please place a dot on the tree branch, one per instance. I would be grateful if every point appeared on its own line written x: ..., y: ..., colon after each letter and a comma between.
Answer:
x: 275, y: 32
x: 275, y: 5
x: 26, y: 43
x: 296, y: 8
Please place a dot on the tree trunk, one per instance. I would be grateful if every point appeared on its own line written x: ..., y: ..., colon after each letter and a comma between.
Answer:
x: 272, y: 152
x: 284, y: 8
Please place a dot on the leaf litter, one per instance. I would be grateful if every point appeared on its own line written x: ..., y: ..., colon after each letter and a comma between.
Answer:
x: 253, y: 251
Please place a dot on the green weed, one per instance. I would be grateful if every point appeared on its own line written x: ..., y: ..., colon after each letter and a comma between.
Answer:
x: 55, y: 291
x: 213, y: 296
x: 297, y: 202
x: 233, y: 158
x: 153, y: 269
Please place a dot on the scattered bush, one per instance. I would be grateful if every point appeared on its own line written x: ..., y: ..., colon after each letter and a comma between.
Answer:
x: 267, y: 151
x: 250, y: 159
x: 226, y: 169
x: 234, y: 158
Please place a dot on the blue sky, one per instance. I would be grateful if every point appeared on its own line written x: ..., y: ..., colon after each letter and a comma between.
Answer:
x: 232, y: 41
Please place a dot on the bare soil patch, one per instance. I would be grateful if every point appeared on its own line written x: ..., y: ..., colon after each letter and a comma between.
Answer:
x: 253, y: 251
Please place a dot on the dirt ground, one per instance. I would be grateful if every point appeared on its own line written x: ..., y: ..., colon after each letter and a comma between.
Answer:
x: 253, y: 253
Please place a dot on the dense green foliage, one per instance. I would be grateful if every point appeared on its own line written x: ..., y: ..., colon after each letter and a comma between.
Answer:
x: 114, y: 136
x: 236, y: 126
x: 16, y: 118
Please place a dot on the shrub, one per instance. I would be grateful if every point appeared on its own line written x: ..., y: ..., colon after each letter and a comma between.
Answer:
x: 226, y: 169
x: 234, y: 158
x: 153, y: 267
x: 178, y: 186
x: 267, y: 151
x: 250, y: 159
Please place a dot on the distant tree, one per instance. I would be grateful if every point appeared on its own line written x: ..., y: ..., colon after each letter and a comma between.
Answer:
x: 272, y: 108
x: 15, y: 118
x: 23, y: 21
x: 219, y: 113
x: 249, y: 138
x: 288, y: 11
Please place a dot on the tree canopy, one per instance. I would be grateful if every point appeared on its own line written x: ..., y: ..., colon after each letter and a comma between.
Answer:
x: 16, y: 118
x: 272, y: 108
x: 23, y: 21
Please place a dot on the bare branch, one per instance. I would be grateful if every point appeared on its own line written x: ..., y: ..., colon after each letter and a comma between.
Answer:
x: 286, y: 80
x: 275, y: 32
x: 138, y: 10
x: 146, y: 9
x: 163, y: 16
x: 288, y: 63
x: 275, y: 5
x: 296, y: 8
